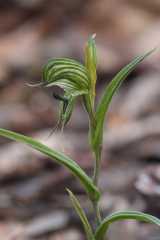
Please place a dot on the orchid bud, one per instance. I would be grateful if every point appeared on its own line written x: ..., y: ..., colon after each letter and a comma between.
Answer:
x: 91, y: 63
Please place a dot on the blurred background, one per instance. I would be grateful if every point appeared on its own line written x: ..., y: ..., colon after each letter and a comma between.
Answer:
x: 33, y: 200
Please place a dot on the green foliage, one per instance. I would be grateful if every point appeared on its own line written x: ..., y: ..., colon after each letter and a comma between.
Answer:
x: 56, y: 156
x: 82, y: 215
x: 80, y: 80
x: 110, y: 90
x: 124, y: 215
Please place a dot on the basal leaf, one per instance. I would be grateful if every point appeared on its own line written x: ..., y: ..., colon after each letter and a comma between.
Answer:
x: 82, y: 215
x: 58, y: 157
x: 124, y: 215
x: 109, y: 91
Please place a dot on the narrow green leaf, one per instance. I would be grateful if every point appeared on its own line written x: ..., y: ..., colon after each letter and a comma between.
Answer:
x: 58, y: 157
x: 82, y: 215
x: 124, y: 215
x: 109, y: 91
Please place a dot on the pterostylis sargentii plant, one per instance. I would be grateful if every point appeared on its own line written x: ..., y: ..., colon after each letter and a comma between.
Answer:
x: 79, y: 81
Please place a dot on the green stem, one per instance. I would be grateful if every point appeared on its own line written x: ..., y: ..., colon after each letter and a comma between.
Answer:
x: 95, y: 180
x: 97, y: 166
x: 97, y: 161
x: 97, y: 213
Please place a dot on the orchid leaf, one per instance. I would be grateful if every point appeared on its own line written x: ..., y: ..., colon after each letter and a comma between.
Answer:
x: 109, y: 92
x: 124, y: 215
x: 82, y: 215
x: 58, y: 157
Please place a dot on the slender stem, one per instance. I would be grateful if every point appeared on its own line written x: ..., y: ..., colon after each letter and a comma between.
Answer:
x: 95, y: 180
x: 97, y: 213
x: 97, y: 166
x: 97, y: 162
